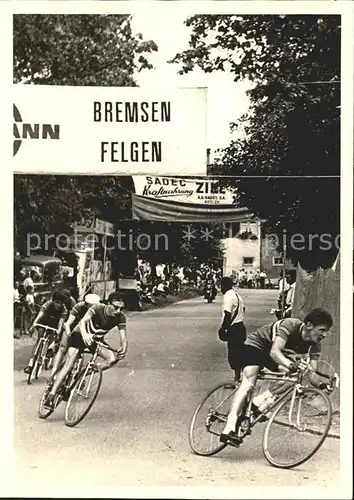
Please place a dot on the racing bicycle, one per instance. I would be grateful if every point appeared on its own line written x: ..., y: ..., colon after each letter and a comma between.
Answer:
x: 79, y: 389
x: 298, y: 421
x: 44, y: 353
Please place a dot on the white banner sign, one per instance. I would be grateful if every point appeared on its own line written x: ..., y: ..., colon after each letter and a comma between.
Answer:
x: 196, y: 191
x: 109, y: 130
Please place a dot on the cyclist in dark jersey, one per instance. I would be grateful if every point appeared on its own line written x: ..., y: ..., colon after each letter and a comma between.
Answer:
x: 76, y: 314
x: 52, y: 313
x: 268, y: 347
x: 98, y: 321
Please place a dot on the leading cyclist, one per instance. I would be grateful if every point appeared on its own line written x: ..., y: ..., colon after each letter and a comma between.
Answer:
x: 97, y: 322
x: 267, y: 346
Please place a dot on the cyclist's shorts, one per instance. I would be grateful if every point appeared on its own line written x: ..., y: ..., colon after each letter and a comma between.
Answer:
x: 75, y: 340
x: 251, y: 356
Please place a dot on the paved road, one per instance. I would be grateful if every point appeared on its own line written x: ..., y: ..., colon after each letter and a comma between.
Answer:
x: 136, y: 433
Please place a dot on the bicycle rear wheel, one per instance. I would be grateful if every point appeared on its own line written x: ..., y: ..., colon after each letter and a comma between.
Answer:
x: 209, y: 419
x: 83, y: 394
x: 295, y: 431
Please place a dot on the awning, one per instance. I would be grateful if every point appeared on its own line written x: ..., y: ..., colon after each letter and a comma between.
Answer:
x: 153, y: 209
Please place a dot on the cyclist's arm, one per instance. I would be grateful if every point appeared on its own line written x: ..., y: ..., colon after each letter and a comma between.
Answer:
x: 123, y: 338
x: 84, y: 323
x: 61, y: 324
x: 38, y: 318
x: 276, y: 352
x: 68, y: 323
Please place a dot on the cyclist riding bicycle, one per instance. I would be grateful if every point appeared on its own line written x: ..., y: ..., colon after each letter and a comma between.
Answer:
x: 97, y: 322
x: 75, y: 316
x: 267, y: 347
x: 53, y: 314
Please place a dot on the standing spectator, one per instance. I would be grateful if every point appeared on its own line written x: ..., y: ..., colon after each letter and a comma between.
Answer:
x: 258, y: 278
x: 289, y: 301
x: 28, y: 286
x: 262, y: 279
x: 283, y: 290
x: 232, y: 329
x: 250, y: 280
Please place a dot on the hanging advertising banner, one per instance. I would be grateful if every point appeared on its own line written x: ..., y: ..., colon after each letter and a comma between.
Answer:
x: 202, y: 199
x: 109, y: 130
x: 201, y: 191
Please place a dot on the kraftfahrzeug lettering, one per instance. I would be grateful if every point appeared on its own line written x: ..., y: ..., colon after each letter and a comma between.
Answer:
x: 131, y: 112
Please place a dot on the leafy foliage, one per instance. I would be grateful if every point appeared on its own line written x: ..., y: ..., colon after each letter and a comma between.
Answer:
x: 78, y: 50
x: 293, y: 126
x: 50, y: 204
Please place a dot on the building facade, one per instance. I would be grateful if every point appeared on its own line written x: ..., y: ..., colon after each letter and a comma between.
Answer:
x: 245, y: 246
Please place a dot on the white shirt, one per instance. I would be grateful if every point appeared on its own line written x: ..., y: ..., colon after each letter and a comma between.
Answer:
x: 290, y: 295
x: 28, y: 282
x: 283, y: 286
x: 231, y: 300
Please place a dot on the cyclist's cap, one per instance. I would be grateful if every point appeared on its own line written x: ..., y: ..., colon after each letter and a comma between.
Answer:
x: 92, y: 298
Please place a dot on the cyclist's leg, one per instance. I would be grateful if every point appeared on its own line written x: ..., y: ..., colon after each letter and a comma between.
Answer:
x: 109, y: 358
x: 252, y: 360
x: 59, y: 357
x: 68, y: 365
x: 249, y: 377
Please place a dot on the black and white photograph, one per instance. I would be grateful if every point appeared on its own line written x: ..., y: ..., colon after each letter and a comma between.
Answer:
x: 192, y: 266
x: 180, y: 328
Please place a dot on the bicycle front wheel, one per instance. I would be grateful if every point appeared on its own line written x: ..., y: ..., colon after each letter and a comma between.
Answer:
x: 82, y: 395
x: 297, y: 428
x: 34, y: 373
x: 43, y: 411
x: 209, y: 419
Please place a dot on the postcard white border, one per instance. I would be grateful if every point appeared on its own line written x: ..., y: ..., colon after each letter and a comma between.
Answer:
x: 12, y: 485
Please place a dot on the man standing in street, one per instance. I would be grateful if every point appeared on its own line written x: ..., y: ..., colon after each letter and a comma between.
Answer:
x: 232, y: 329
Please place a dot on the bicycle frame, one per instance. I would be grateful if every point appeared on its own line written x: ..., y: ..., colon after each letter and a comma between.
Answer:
x: 296, y: 385
x: 48, y: 331
x: 84, y: 385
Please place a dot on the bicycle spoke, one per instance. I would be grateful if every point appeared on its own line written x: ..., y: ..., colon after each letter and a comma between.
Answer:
x: 297, y: 429
x: 209, y: 420
x: 82, y: 396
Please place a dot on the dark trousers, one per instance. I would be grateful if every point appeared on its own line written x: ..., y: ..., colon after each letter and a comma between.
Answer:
x: 236, y: 336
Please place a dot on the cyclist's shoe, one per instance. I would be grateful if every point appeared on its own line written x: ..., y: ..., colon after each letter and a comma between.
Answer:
x: 27, y: 369
x: 49, y: 404
x: 231, y: 438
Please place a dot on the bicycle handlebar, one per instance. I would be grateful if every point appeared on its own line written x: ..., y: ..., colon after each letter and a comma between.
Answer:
x: 103, y: 344
x: 333, y: 379
x: 36, y: 325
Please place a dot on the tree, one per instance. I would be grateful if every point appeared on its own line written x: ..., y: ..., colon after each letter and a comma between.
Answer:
x: 293, y: 125
x: 78, y: 50
x: 51, y: 204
